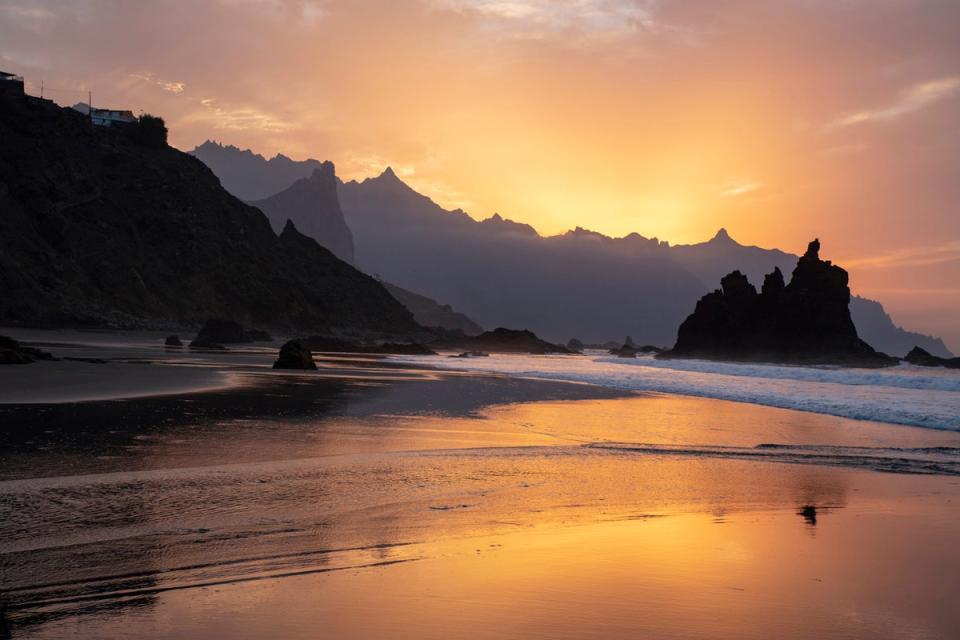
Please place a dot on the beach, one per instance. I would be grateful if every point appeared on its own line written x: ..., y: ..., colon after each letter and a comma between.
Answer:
x: 197, y: 495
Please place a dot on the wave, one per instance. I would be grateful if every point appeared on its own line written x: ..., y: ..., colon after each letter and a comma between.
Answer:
x: 919, y: 460
x: 904, y: 395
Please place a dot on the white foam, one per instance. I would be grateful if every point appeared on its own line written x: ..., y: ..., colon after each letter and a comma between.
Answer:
x: 918, y: 396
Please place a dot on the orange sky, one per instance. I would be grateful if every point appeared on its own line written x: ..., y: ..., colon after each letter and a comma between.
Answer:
x: 778, y: 120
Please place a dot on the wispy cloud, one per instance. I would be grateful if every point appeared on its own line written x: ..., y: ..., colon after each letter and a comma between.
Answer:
x: 733, y: 189
x: 241, y: 118
x: 172, y: 87
x: 909, y: 257
x: 27, y: 10
x: 534, y: 18
x: 166, y: 85
x: 912, y: 99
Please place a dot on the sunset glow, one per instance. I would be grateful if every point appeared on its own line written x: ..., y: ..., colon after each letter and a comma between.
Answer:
x: 670, y: 119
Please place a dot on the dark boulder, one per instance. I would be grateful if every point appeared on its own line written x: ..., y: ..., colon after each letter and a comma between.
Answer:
x: 472, y: 354
x: 12, y: 352
x: 630, y: 350
x: 924, y: 358
x: 173, y: 341
x: 575, y: 346
x: 9, y: 356
x: 294, y: 355
x: 804, y: 322
x: 504, y: 341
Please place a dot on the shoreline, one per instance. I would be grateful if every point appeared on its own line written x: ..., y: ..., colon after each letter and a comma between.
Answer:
x: 163, y: 371
x: 292, y: 500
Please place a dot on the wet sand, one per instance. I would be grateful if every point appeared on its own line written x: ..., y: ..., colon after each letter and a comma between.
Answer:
x: 398, y: 502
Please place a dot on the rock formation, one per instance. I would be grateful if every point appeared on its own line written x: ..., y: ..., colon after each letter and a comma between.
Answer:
x: 12, y: 352
x: 924, y: 358
x: 631, y: 350
x: 502, y: 340
x: 294, y: 355
x: 173, y: 341
x: 806, y: 321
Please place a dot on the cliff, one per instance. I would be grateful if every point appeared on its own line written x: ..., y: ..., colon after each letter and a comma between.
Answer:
x: 100, y: 227
x: 311, y: 204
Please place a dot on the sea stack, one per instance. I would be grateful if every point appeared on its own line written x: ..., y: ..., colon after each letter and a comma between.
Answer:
x: 804, y: 322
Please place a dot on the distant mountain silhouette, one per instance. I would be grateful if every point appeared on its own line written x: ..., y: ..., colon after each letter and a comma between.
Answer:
x: 102, y: 226
x: 805, y: 321
x: 501, y: 273
x: 878, y: 328
x: 311, y: 204
x: 581, y: 283
x: 430, y: 313
x: 249, y: 175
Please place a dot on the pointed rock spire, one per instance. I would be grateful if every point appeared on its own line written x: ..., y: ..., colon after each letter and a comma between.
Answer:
x: 722, y: 236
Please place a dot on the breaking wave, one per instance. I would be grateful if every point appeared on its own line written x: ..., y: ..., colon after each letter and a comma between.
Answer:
x: 907, y: 395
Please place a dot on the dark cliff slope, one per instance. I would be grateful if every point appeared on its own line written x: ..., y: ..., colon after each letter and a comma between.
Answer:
x: 311, y: 204
x: 805, y: 321
x: 96, y: 228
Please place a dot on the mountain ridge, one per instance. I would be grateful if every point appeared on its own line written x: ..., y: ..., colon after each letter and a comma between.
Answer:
x: 385, y: 214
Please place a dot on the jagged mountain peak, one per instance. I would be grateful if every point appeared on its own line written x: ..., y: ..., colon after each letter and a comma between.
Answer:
x: 311, y: 203
x: 325, y: 171
x: 722, y: 236
x: 498, y: 223
x: 389, y: 178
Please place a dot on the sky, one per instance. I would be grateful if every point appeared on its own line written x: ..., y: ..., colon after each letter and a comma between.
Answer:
x: 778, y: 120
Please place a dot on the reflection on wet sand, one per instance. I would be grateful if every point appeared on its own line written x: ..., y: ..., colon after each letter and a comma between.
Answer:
x: 467, y: 506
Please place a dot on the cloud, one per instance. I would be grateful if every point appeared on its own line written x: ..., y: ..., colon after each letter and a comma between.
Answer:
x: 166, y: 85
x: 732, y: 189
x: 909, y: 257
x: 27, y: 11
x: 539, y: 18
x: 241, y: 118
x: 912, y: 99
x: 172, y: 87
